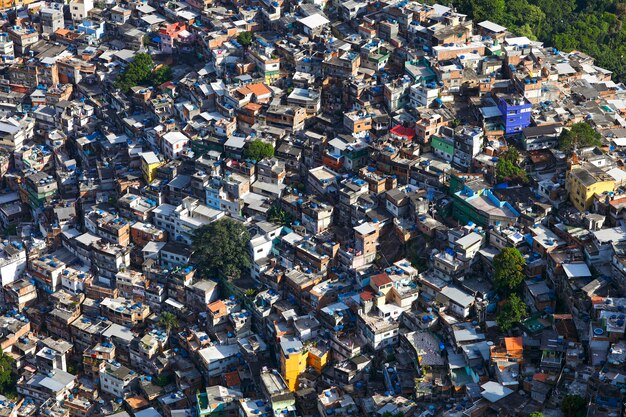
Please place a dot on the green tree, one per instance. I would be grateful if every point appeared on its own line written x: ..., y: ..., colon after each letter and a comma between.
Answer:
x: 573, y: 406
x: 595, y: 27
x: 161, y: 75
x: 493, y: 10
x: 536, y: 414
x: 511, y: 154
x: 513, y: 312
x: 508, y: 270
x: 507, y: 168
x: 277, y: 215
x: 580, y: 135
x: 508, y: 171
x: 245, y: 38
x: 168, y: 320
x: 7, y: 376
x: 257, y: 150
x: 137, y: 72
x: 221, y: 247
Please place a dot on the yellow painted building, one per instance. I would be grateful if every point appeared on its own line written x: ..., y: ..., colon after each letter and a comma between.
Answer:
x: 10, y: 4
x: 317, y: 359
x: 585, y: 181
x: 293, y: 360
x: 149, y: 164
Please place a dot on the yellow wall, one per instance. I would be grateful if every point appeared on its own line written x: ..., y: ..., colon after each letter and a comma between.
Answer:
x: 292, y: 366
x: 317, y: 360
x: 5, y: 4
x: 581, y: 196
x: 149, y: 170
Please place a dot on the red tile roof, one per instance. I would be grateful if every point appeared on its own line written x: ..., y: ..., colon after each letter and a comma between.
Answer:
x: 381, y: 279
x: 400, y: 130
x: 367, y: 295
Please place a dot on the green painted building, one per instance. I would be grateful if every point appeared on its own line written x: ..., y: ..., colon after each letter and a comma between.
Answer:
x: 473, y: 202
x: 443, y: 147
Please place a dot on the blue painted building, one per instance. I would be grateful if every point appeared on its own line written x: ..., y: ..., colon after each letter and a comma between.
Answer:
x: 213, y: 194
x: 515, y: 113
x: 94, y: 30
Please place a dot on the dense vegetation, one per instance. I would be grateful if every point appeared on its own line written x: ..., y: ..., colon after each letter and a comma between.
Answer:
x: 141, y: 71
x: 580, y: 135
x: 595, y: 27
x: 512, y: 312
x: 258, y: 150
x: 507, y: 168
x: 245, y: 39
x: 7, y: 376
x: 508, y: 271
x: 508, y: 277
x: 221, y: 248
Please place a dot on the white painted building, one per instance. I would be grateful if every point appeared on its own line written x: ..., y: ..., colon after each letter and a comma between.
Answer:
x: 12, y: 261
x: 79, y: 9
x: 173, y: 144
x: 116, y: 379
x: 217, y: 359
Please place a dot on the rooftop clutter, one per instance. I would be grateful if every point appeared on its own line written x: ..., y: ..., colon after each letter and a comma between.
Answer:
x: 280, y: 208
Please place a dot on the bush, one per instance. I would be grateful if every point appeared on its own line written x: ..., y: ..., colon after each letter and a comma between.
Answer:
x: 258, y: 150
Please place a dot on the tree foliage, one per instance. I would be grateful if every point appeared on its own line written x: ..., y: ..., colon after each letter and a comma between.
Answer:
x: 536, y: 414
x: 257, y: 150
x: 580, y: 135
x: 168, y: 320
x: 245, y: 38
x: 595, y: 27
x: 161, y: 75
x: 513, y: 312
x: 573, y: 406
x: 7, y: 376
x: 221, y: 247
x: 140, y: 72
x: 277, y: 215
x: 137, y: 72
x: 507, y: 168
x: 509, y: 270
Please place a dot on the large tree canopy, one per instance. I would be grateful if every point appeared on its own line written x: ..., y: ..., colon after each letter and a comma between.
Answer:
x: 7, y: 376
x: 507, y: 168
x: 580, y: 135
x: 595, y: 27
x: 257, y: 150
x: 140, y: 72
x: 513, y: 311
x: 509, y: 270
x: 221, y: 248
x: 245, y: 38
